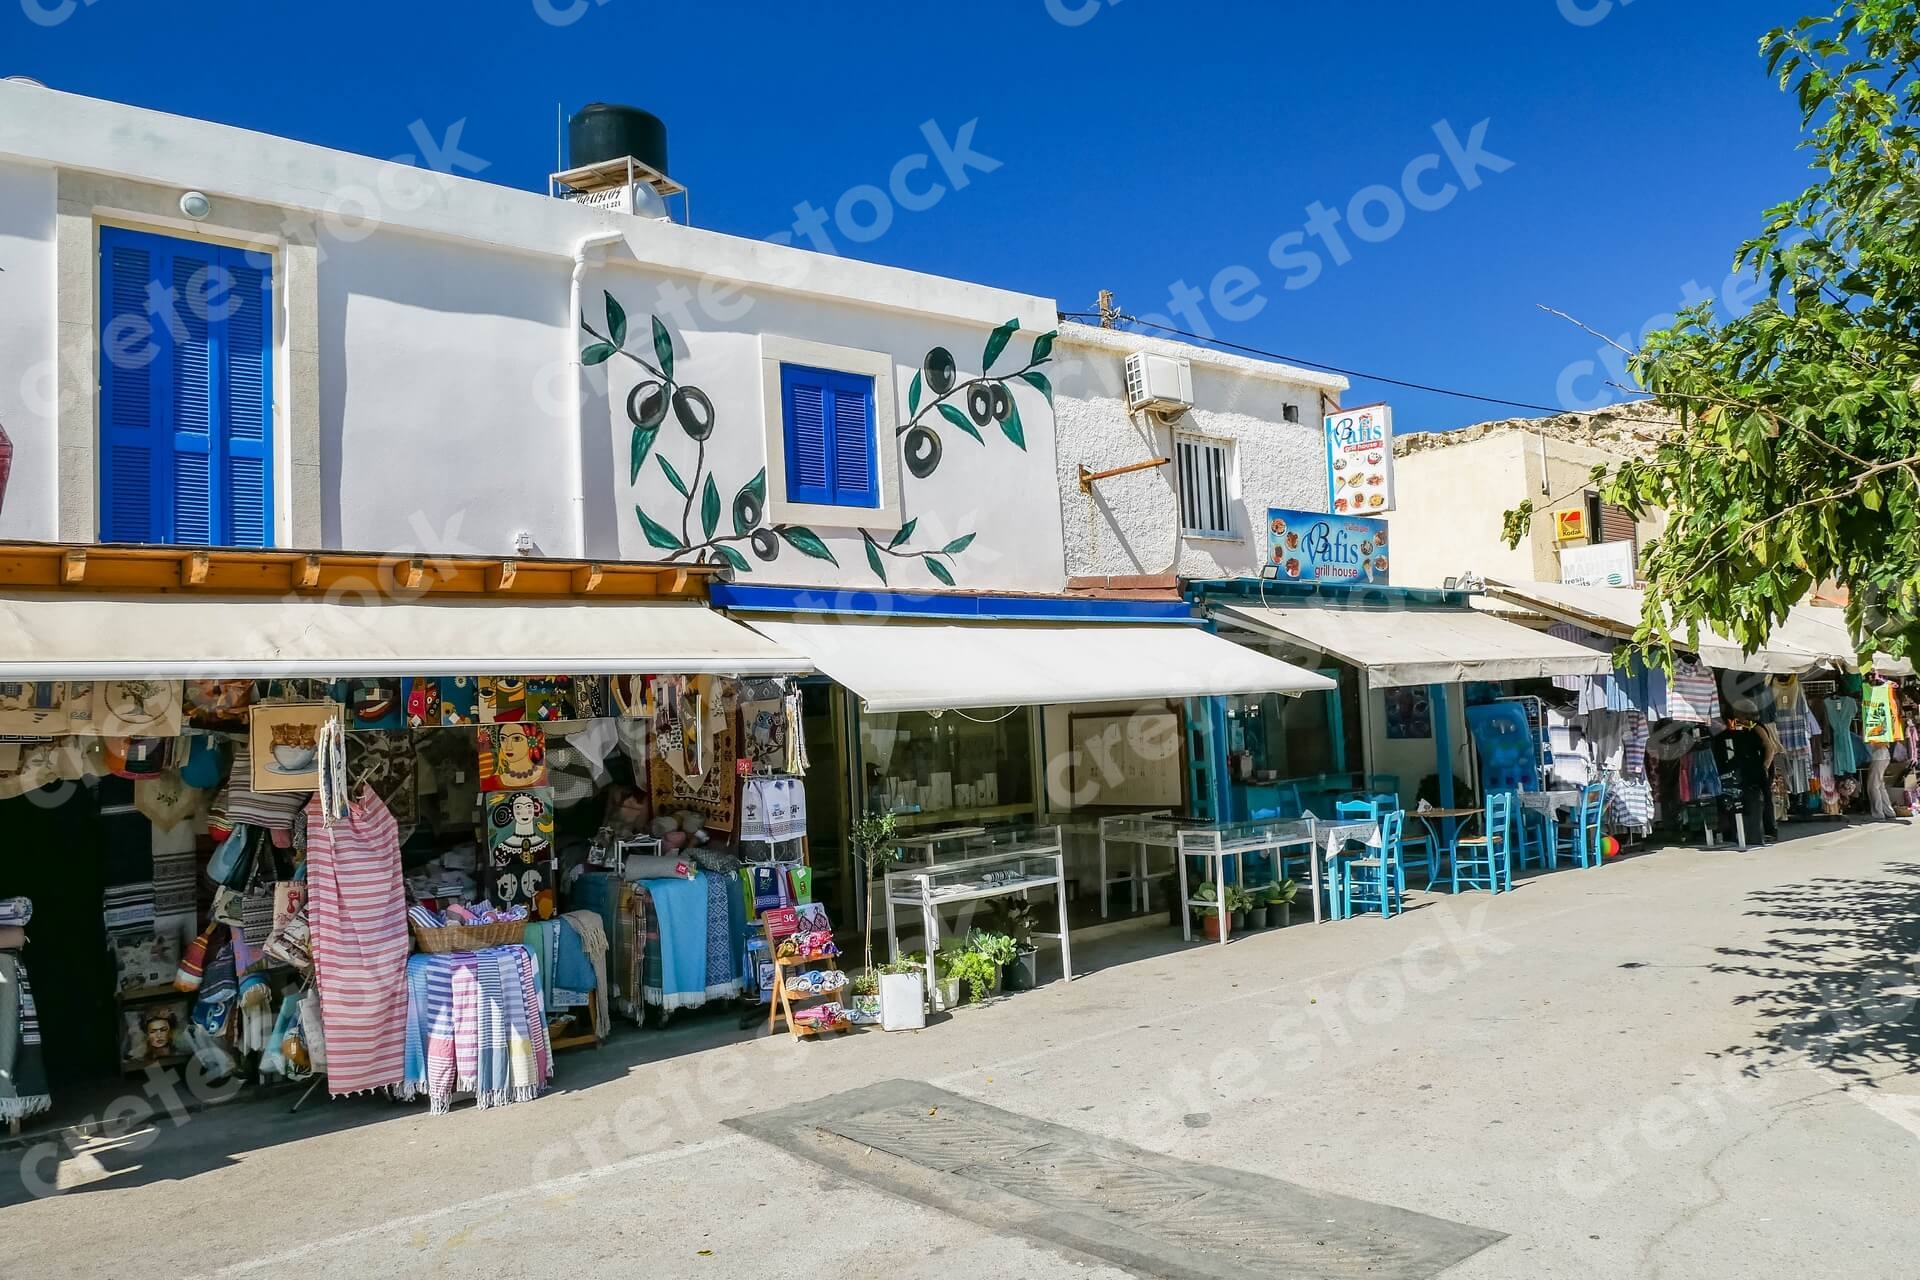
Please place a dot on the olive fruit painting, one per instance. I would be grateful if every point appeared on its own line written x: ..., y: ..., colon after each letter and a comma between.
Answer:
x: 695, y: 533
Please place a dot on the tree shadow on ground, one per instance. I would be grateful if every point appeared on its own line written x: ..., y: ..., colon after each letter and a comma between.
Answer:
x: 1838, y: 975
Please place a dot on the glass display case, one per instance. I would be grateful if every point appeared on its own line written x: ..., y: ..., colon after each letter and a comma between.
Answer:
x: 1018, y: 860
x: 975, y: 767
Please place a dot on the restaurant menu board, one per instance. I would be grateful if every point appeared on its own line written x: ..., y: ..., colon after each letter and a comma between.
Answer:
x: 1307, y: 546
x: 1360, y: 460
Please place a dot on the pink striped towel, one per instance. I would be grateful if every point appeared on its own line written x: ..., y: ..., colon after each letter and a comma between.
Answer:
x: 357, y: 909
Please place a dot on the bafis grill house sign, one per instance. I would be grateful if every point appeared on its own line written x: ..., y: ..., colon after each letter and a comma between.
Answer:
x: 1360, y: 460
x: 1307, y: 546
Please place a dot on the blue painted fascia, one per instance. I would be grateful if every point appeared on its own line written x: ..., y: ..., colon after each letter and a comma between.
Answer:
x: 839, y: 602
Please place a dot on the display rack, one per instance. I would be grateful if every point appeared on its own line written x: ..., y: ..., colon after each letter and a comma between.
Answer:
x: 1021, y: 861
x: 790, y: 961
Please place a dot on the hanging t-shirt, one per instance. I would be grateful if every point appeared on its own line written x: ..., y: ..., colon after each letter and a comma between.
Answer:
x: 1692, y: 697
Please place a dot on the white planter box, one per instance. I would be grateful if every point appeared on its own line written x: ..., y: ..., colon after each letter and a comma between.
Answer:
x: 903, y: 1002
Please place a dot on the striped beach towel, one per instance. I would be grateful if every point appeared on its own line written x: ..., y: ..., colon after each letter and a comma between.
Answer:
x: 357, y: 909
x: 475, y: 1025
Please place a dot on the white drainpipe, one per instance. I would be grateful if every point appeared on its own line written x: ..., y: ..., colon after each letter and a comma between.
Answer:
x: 577, y: 393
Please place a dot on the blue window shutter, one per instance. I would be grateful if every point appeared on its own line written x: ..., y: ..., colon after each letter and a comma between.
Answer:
x: 135, y: 455
x: 809, y: 467
x: 247, y: 419
x: 855, y: 481
x: 186, y: 377
x: 191, y: 275
x: 832, y: 459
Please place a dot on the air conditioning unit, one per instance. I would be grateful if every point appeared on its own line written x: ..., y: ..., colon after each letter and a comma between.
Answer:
x: 1160, y: 383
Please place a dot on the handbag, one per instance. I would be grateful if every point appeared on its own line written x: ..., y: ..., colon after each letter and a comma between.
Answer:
x: 232, y: 863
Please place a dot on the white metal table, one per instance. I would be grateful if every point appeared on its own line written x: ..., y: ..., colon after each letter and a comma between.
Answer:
x: 1144, y: 831
x: 1221, y: 841
x: 1019, y: 863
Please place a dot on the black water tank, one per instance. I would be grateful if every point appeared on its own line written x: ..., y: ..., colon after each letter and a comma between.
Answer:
x: 606, y: 131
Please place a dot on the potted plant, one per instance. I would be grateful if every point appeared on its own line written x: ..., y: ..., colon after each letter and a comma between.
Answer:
x: 1238, y: 900
x: 1257, y: 909
x: 973, y: 968
x: 1015, y: 918
x: 1216, y: 925
x: 946, y: 980
x: 1280, y: 902
x: 872, y: 844
x: 903, y: 997
x: 863, y: 999
x: 998, y: 948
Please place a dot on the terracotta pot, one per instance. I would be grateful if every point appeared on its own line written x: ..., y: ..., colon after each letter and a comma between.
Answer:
x: 1212, y: 924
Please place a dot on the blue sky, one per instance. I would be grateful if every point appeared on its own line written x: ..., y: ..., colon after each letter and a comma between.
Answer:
x: 1141, y: 144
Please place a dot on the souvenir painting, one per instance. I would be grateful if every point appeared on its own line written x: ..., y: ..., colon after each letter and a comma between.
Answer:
x: 376, y: 704
x: 284, y: 741
x: 550, y: 698
x: 218, y: 704
x: 46, y: 708
x: 519, y: 829
x: 591, y: 698
x: 153, y: 1033
x: 631, y: 696
x: 136, y: 708
x: 423, y: 703
x: 503, y: 699
x: 512, y: 757
x: 459, y: 700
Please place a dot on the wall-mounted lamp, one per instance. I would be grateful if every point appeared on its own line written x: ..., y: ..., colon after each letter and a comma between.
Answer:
x: 196, y: 205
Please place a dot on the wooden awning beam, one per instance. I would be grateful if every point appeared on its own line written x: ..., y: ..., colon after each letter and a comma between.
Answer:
x: 217, y: 571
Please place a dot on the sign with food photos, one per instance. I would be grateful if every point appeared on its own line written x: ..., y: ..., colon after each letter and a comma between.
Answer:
x: 1360, y: 460
x: 1307, y: 546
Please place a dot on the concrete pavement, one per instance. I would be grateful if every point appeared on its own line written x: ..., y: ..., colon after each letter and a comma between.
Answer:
x: 1686, y: 1064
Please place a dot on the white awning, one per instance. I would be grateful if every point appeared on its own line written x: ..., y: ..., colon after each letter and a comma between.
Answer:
x: 52, y: 636
x: 931, y: 666
x: 1616, y: 611
x: 1422, y: 644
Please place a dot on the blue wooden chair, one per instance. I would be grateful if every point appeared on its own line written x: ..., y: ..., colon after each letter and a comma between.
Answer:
x: 1485, y: 861
x: 1374, y: 881
x: 1584, y: 841
x: 1372, y: 809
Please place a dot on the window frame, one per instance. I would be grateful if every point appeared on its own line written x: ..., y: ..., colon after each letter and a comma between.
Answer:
x: 777, y: 351
x: 220, y: 444
x: 1183, y: 442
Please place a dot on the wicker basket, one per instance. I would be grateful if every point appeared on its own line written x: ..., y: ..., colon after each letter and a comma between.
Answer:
x: 467, y: 937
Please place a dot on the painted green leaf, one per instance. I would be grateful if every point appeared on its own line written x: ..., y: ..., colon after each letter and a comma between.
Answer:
x: 658, y: 534
x: 906, y: 531
x: 873, y: 557
x: 616, y: 321
x: 597, y: 352
x: 673, y: 477
x: 960, y: 420
x: 913, y: 394
x: 1011, y: 427
x: 1039, y: 382
x: 806, y: 542
x: 663, y: 348
x: 734, y: 558
x: 997, y: 342
x: 958, y: 545
x: 937, y: 569
x: 642, y: 445
x: 709, y: 508
x: 1043, y: 348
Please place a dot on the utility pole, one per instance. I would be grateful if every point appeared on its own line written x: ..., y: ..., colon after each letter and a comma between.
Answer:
x: 1109, y: 314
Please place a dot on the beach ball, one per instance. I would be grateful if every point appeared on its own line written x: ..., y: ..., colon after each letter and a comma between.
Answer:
x: 1612, y: 847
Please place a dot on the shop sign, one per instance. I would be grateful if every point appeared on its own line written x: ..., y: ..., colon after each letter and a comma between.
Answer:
x: 1360, y: 460
x: 1307, y: 546
x: 1608, y: 564
x: 1570, y: 524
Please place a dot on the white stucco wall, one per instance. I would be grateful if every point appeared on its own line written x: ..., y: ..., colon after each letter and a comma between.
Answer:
x: 28, y: 386
x: 1449, y: 504
x: 444, y: 416
x: 990, y: 489
x: 1130, y: 524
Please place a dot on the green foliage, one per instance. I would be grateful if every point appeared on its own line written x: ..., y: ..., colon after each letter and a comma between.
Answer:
x: 1238, y: 899
x: 971, y: 967
x: 1281, y: 894
x: 1797, y: 459
x: 996, y: 947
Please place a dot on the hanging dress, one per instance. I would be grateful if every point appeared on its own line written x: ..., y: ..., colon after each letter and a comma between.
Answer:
x: 357, y: 911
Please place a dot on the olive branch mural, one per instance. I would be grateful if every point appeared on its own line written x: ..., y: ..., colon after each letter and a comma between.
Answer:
x: 988, y: 398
